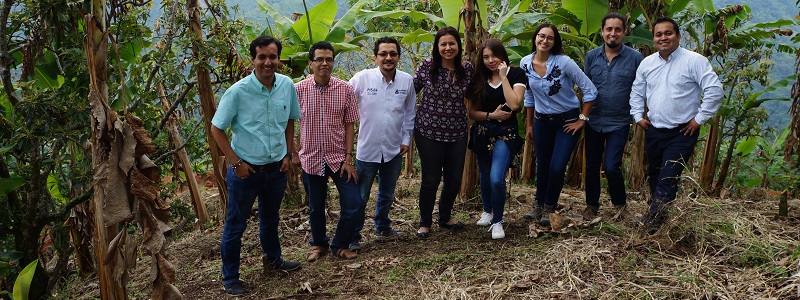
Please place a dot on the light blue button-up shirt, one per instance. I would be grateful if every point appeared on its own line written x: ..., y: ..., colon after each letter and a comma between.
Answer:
x: 672, y: 89
x: 258, y: 117
x: 553, y: 94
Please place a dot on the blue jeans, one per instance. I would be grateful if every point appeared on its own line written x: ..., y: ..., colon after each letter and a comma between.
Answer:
x: 553, y: 151
x: 606, y: 148
x: 437, y: 160
x: 269, y: 187
x: 349, y: 200
x: 668, y: 150
x: 493, y: 171
x: 388, y: 173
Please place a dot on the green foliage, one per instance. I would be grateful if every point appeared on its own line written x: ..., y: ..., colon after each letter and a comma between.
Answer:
x: 23, y: 283
x: 764, y: 166
x: 590, y: 12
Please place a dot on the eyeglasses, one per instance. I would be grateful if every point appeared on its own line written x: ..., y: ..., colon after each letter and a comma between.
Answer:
x: 391, y: 54
x: 545, y: 37
x: 321, y: 60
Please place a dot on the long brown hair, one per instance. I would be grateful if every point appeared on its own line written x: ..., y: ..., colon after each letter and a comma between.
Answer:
x: 482, y: 73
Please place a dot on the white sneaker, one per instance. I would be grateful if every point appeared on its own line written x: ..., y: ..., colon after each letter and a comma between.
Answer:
x: 497, y: 231
x: 486, y: 219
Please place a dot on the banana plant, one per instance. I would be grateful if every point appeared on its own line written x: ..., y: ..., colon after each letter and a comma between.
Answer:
x: 317, y: 24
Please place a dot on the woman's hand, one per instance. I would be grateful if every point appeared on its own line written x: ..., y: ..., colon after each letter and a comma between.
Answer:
x: 502, y: 69
x: 499, y: 114
x: 529, y: 133
x: 574, y: 127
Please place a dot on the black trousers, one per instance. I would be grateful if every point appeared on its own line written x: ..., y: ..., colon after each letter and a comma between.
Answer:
x: 439, y: 160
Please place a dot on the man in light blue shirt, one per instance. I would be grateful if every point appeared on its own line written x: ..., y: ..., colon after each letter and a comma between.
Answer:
x: 670, y: 83
x: 260, y: 109
x: 386, y: 104
x: 611, y: 67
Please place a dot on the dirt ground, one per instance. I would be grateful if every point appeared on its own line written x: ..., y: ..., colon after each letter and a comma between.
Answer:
x: 711, y: 248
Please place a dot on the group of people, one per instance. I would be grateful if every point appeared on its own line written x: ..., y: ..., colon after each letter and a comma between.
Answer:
x: 617, y: 83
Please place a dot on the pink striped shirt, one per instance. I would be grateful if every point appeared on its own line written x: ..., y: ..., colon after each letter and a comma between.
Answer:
x: 323, y: 113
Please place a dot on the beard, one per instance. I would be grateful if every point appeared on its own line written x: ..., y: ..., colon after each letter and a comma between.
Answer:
x: 613, y: 45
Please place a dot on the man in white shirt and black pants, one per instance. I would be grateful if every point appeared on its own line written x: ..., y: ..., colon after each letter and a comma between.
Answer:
x: 670, y: 83
x: 386, y: 104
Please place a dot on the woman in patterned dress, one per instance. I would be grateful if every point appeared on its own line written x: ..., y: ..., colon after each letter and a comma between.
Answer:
x: 440, y: 128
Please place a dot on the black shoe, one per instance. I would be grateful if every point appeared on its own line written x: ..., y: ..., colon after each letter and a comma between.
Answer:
x: 535, y: 214
x: 355, y: 245
x: 387, y: 234
x: 234, y: 288
x: 545, y: 218
x: 280, y: 265
x: 652, y: 222
x: 455, y: 226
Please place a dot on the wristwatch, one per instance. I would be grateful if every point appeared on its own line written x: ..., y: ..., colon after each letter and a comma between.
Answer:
x: 583, y: 117
x: 290, y: 155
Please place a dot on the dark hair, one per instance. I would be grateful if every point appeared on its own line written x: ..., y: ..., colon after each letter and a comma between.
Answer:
x: 437, y: 57
x: 482, y: 73
x: 613, y: 15
x: 263, y: 41
x: 386, y: 40
x: 557, y: 47
x: 663, y: 19
x: 321, y: 45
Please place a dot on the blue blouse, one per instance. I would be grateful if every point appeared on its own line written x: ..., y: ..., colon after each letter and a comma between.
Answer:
x: 553, y: 94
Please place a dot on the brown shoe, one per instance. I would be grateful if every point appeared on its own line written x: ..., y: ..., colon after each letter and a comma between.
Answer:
x: 346, y: 254
x: 589, y: 213
x: 621, y: 213
x: 316, y: 253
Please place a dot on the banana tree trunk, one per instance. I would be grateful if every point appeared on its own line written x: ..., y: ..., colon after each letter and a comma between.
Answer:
x: 207, y: 104
x: 528, y: 161
x: 111, y: 286
x: 576, y: 165
x: 791, y: 148
x: 637, y: 170
x: 708, y: 165
x: 472, y: 39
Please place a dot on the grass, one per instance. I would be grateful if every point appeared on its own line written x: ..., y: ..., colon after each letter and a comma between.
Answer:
x: 710, y: 248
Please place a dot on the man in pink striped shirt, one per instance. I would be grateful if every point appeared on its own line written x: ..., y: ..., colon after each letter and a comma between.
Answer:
x: 328, y: 112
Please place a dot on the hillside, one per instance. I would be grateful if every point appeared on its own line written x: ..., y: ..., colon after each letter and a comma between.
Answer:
x: 729, y: 248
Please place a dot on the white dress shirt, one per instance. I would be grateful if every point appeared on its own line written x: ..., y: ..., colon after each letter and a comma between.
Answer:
x: 387, y: 114
x: 672, y: 88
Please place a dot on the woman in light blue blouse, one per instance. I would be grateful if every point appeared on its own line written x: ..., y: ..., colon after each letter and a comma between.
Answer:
x: 554, y: 115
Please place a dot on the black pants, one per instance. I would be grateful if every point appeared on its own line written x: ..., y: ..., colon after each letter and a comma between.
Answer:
x: 439, y: 159
x: 668, y: 150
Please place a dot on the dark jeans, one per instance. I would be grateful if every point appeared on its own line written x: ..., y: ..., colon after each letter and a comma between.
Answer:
x: 349, y: 201
x: 438, y: 159
x: 606, y: 148
x: 387, y: 173
x: 269, y: 187
x: 667, y: 153
x: 493, y: 169
x: 553, y: 150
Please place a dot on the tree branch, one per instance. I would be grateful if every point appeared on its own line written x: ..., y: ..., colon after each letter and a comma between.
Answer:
x: 5, y: 56
x: 165, y: 118
x: 167, y: 42
x: 173, y: 151
x: 64, y: 211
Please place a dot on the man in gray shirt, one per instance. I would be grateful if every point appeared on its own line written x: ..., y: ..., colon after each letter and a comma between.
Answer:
x: 611, y: 67
x: 670, y: 83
